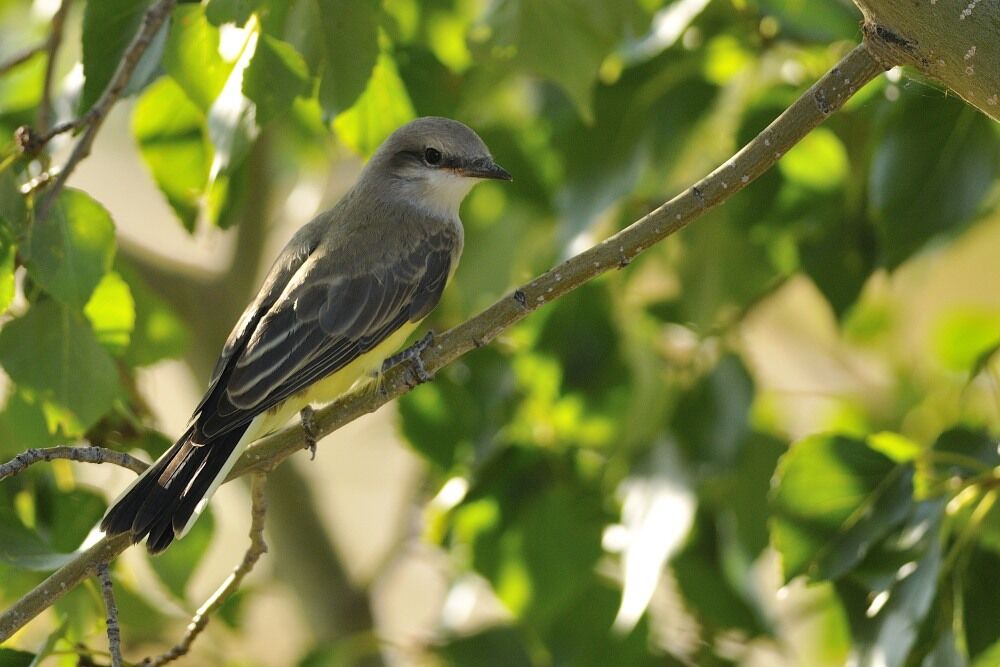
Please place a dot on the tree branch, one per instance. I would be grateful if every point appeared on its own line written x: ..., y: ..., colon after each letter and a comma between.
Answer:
x: 826, y: 96
x: 81, y: 454
x: 256, y: 549
x: 94, y: 118
x: 114, y: 630
x: 21, y: 57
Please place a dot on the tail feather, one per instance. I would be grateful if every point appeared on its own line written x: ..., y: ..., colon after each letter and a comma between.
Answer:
x: 161, y: 502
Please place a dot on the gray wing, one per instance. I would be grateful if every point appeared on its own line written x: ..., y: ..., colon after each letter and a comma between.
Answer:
x: 325, y: 319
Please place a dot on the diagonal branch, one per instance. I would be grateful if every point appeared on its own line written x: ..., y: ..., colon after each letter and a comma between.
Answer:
x: 94, y: 118
x: 81, y: 454
x: 826, y: 96
x: 256, y: 549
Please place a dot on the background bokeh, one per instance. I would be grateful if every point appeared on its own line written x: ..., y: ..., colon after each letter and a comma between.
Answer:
x: 767, y: 441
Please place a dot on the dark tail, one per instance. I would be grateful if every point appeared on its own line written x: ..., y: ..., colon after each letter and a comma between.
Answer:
x: 162, y: 500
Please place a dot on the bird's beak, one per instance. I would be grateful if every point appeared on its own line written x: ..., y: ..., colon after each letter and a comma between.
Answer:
x: 484, y: 168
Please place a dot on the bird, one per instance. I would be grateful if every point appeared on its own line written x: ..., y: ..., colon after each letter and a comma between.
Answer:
x: 344, y: 294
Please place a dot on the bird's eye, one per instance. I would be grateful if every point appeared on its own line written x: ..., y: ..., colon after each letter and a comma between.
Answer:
x: 432, y: 156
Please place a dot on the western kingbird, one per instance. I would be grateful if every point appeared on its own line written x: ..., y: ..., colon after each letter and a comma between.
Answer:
x: 345, y: 293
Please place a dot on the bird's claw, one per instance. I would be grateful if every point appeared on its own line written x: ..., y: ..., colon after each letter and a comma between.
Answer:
x: 413, y: 354
x: 307, y: 419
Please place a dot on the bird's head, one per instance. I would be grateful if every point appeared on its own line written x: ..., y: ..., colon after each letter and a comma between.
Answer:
x: 433, y: 162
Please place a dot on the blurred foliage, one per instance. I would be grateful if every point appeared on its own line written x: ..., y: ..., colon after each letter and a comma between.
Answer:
x: 617, y: 470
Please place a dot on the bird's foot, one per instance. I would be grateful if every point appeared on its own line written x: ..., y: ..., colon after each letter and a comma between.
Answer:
x: 308, y: 421
x: 413, y: 354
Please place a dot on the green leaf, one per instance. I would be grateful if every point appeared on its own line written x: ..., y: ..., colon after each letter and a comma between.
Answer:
x: 53, y: 352
x: 68, y: 517
x: 563, y: 40
x: 583, y: 636
x: 192, y: 57
x: 13, y: 213
x: 350, y: 52
x: 534, y: 530
x: 108, y: 28
x: 711, y: 595
x: 70, y: 249
x: 982, y: 618
x: 818, y: 161
x: 158, y: 332
x: 889, y: 596
x: 12, y: 658
x: 169, y: 129
x: 382, y: 108
x: 8, y: 251
x: 833, y: 498
x: 964, y: 335
x: 111, y: 311
x: 23, y: 425
x: 935, y: 160
x: 23, y: 548
x: 711, y: 419
x: 276, y: 75
x: 461, y: 414
x: 176, y: 565
x: 230, y: 11
x: 499, y: 646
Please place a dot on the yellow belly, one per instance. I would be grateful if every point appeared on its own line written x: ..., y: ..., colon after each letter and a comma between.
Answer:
x: 336, y: 385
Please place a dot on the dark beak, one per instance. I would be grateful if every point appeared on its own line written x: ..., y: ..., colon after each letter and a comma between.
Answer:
x: 484, y: 168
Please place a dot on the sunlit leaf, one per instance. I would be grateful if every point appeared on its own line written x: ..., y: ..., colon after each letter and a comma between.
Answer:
x: 23, y: 425
x: 276, y: 75
x: 382, y: 108
x: 963, y: 336
x: 71, y: 248
x: 170, y: 131
x: 8, y: 251
x: 111, y: 311
x: 158, y: 332
x: 53, y: 352
x: 192, y: 56
x: 818, y: 161
x: 834, y: 497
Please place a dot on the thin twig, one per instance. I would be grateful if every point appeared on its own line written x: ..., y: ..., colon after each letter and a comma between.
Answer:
x: 93, y: 119
x: 21, y: 57
x: 43, y: 118
x: 826, y: 96
x: 81, y: 454
x: 257, y: 548
x: 114, y: 630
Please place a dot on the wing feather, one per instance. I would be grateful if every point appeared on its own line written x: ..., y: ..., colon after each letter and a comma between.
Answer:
x: 322, y: 321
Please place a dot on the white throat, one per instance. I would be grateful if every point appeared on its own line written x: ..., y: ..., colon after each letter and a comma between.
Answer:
x: 441, y: 192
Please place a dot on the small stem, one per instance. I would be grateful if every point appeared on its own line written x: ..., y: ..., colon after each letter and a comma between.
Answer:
x: 114, y: 630
x: 43, y: 118
x: 257, y: 548
x: 80, y: 454
x: 21, y: 57
x: 93, y: 119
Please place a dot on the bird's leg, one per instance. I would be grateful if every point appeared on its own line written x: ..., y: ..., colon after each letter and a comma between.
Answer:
x: 306, y: 418
x: 413, y: 354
